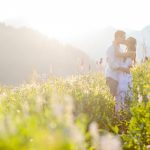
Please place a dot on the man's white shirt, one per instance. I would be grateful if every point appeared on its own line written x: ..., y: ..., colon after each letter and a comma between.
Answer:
x: 112, y: 63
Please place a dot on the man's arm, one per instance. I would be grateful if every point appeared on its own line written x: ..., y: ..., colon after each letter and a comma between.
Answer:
x: 129, y: 54
x: 112, y: 64
x: 117, y: 67
x: 122, y: 69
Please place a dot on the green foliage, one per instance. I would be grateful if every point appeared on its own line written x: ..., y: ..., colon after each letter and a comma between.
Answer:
x: 41, y: 115
x: 57, y: 114
x: 92, y: 98
x: 141, y: 81
x: 138, y: 134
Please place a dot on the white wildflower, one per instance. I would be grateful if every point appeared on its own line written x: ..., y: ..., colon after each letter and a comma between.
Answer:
x: 148, y: 146
x: 110, y: 142
x: 148, y: 96
x: 69, y: 107
x: 25, y: 108
x: 39, y: 103
x: 18, y: 111
x: 57, y: 109
x: 140, y: 98
x: 95, y: 135
x: 31, y: 140
x: 2, y: 95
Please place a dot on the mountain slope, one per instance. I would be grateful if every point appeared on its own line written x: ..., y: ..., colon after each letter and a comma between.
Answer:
x: 22, y: 50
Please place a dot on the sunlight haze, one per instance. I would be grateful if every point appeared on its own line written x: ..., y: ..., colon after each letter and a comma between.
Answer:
x: 62, y: 19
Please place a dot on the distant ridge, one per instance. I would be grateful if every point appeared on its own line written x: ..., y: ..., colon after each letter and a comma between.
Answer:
x: 23, y: 50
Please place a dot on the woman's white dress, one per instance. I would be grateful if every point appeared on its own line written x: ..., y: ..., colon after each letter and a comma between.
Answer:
x: 124, y: 83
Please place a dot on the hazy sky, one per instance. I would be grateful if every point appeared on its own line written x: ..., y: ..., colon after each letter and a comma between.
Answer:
x: 64, y: 18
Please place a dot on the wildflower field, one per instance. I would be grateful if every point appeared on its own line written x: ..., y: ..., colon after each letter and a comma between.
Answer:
x: 75, y: 114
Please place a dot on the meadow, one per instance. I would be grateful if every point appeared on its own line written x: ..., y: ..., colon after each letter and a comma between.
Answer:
x: 75, y: 114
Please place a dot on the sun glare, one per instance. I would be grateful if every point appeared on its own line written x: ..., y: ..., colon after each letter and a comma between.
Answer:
x: 62, y: 19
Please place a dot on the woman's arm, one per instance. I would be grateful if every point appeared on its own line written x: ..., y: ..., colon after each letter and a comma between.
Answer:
x: 130, y: 54
x: 122, y: 69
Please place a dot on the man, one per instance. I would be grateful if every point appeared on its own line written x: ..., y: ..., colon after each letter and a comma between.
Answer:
x: 114, y: 56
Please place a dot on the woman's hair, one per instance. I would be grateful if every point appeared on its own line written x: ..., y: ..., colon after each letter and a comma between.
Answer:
x: 131, y: 44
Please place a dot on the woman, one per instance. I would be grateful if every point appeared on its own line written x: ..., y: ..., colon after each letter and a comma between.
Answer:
x: 125, y: 79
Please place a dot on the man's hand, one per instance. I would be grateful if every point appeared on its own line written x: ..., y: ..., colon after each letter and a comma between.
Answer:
x: 122, y: 69
x: 126, y: 70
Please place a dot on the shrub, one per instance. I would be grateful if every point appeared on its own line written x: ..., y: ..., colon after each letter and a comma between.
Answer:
x: 138, y: 134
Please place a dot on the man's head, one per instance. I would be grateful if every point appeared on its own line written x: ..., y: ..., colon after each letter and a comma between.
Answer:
x: 120, y: 37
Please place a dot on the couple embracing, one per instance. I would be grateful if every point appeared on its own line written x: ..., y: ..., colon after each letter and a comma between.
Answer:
x: 119, y: 62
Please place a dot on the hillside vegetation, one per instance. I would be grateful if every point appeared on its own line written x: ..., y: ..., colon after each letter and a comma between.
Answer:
x: 75, y: 114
